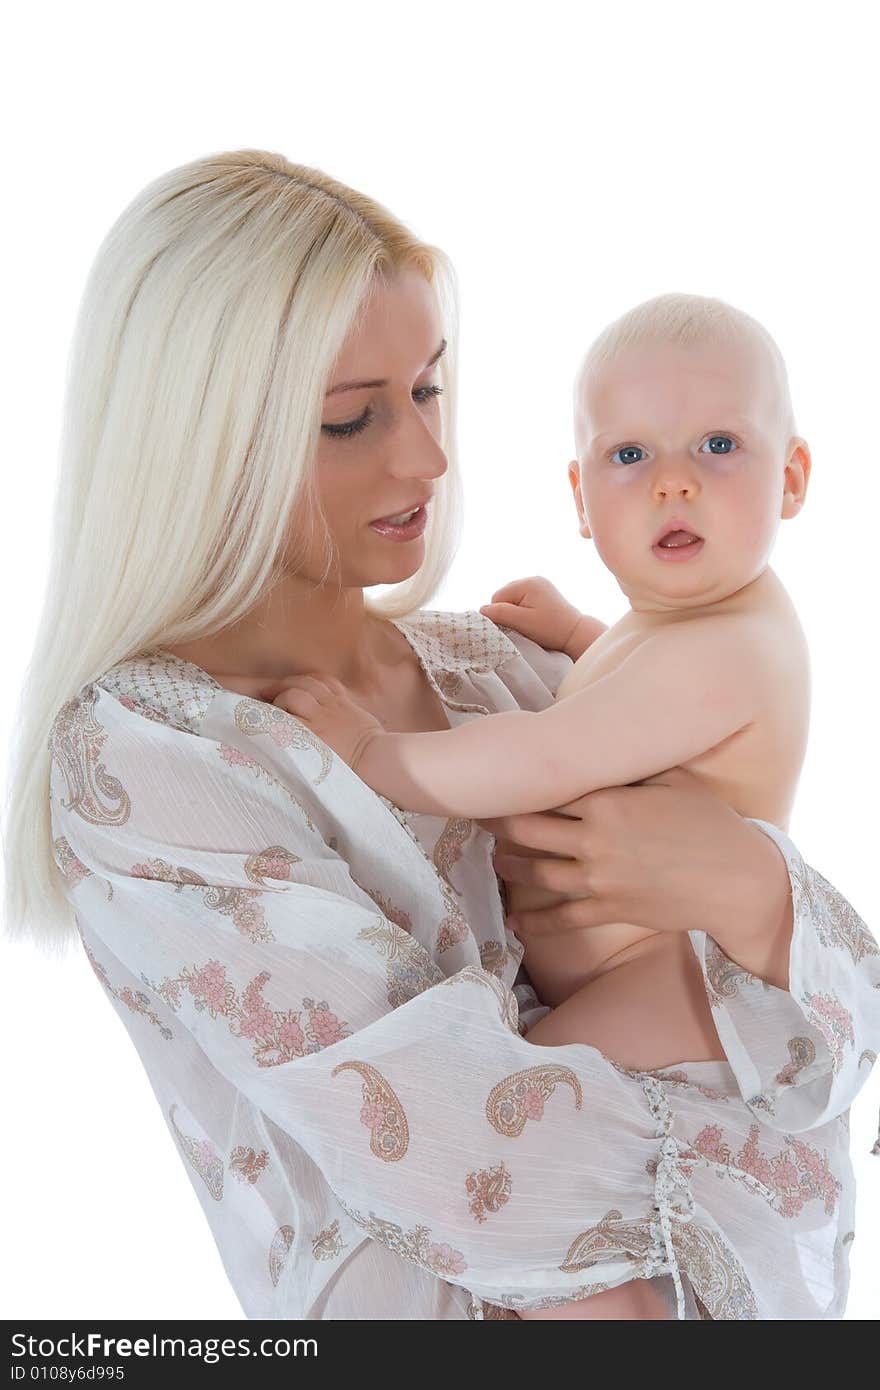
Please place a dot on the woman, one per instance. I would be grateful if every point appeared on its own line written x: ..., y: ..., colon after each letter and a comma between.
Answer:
x: 323, y: 990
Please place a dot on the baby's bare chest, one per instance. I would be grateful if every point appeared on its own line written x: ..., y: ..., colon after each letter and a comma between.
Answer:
x: 756, y: 769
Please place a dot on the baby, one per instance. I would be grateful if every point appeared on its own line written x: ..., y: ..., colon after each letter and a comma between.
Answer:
x: 687, y: 460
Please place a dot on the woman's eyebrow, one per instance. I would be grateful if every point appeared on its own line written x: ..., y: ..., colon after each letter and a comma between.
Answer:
x: 359, y: 385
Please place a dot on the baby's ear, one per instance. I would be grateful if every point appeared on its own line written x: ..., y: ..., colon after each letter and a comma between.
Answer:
x: 797, y: 476
x: 574, y: 477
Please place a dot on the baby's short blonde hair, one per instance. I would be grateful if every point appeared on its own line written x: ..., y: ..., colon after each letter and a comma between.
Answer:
x: 682, y: 320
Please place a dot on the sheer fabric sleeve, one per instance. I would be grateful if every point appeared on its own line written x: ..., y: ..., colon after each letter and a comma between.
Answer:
x: 440, y: 1129
x: 801, y: 1055
x: 550, y: 665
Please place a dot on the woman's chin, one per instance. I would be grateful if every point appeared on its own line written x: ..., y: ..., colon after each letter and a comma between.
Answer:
x: 395, y: 568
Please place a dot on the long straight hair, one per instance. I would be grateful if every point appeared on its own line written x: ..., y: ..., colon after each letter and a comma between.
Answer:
x: 204, y: 341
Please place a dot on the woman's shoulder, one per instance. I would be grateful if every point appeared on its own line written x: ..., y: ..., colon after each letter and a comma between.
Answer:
x: 162, y: 686
x: 131, y: 698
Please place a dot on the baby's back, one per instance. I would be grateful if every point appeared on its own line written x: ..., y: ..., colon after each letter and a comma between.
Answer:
x: 755, y: 770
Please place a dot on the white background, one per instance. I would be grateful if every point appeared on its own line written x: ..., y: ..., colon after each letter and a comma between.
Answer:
x: 573, y: 159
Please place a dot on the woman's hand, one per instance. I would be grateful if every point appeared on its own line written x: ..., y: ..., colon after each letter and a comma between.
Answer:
x: 538, y: 610
x: 666, y: 854
x: 324, y: 704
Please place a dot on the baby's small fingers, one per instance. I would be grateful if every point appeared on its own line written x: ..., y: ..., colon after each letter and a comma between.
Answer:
x: 511, y: 592
x: 299, y: 702
x: 518, y: 589
x: 501, y: 613
x: 314, y: 684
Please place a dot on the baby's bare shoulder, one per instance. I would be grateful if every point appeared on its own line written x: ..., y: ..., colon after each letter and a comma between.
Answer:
x: 731, y: 645
x: 710, y: 631
x: 746, y: 646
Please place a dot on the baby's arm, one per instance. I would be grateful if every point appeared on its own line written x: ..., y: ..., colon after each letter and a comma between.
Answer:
x: 586, y: 631
x: 681, y: 692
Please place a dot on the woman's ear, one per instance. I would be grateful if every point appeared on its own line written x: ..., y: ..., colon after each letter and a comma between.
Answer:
x: 797, y: 476
x: 574, y: 477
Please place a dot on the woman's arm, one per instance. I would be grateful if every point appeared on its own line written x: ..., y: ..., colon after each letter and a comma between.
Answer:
x: 623, y: 863
x: 440, y: 1129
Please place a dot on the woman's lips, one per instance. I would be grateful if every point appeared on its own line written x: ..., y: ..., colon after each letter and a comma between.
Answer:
x: 408, y: 532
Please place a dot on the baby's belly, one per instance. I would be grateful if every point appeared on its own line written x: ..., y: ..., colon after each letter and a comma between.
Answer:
x: 635, y: 994
x: 558, y: 965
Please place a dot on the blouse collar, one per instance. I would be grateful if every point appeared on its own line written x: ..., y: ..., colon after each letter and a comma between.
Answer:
x: 457, y: 642
x: 450, y: 647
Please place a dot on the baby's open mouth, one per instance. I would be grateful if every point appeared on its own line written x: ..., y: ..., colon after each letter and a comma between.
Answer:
x: 674, y: 539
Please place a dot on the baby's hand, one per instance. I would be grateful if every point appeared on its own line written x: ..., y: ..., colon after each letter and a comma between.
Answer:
x: 538, y: 610
x: 324, y: 703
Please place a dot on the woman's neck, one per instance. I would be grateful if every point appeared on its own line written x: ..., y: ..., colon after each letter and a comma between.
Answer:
x: 300, y: 628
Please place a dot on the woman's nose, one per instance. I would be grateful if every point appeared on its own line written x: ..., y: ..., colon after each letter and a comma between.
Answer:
x: 419, y: 456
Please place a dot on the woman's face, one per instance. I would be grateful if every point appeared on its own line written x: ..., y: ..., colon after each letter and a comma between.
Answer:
x: 379, y: 453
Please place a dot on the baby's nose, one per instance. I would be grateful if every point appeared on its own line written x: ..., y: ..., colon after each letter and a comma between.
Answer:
x: 668, y: 487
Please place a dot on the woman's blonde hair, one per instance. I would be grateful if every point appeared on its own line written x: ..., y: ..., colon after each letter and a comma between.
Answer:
x: 204, y: 341
x: 683, y: 320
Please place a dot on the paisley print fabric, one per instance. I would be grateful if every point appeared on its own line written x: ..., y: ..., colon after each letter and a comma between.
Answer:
x: 334, y: 1020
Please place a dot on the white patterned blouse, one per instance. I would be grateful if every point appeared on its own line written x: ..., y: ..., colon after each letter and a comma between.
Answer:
x: 331, y: 1014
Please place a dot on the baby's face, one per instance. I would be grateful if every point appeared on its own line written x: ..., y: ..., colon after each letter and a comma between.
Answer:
x: 689, y: 436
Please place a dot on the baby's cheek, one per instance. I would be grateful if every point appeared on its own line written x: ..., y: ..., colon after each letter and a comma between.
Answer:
x: 721, y: 465
x: 616, y: 507
x: 750, y: 517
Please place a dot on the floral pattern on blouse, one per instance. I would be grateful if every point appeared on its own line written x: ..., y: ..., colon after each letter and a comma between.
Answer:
x: 334, y: 1017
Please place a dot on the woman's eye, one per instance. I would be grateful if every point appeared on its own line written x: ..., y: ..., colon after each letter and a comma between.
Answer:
x: 427, y: 393
x: 720, y: 444
x: 349, y: 427
x: 627, y: 453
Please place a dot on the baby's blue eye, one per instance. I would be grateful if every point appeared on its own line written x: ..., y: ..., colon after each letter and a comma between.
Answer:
x: 720, y: 444
x: 629, y: 449
x: 717, y: 444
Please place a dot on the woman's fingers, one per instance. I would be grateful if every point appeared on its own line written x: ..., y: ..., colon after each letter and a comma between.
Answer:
x: 559, y: 875
x: 626, y: 846
x: 542, y: 830
x: 562, y: 917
